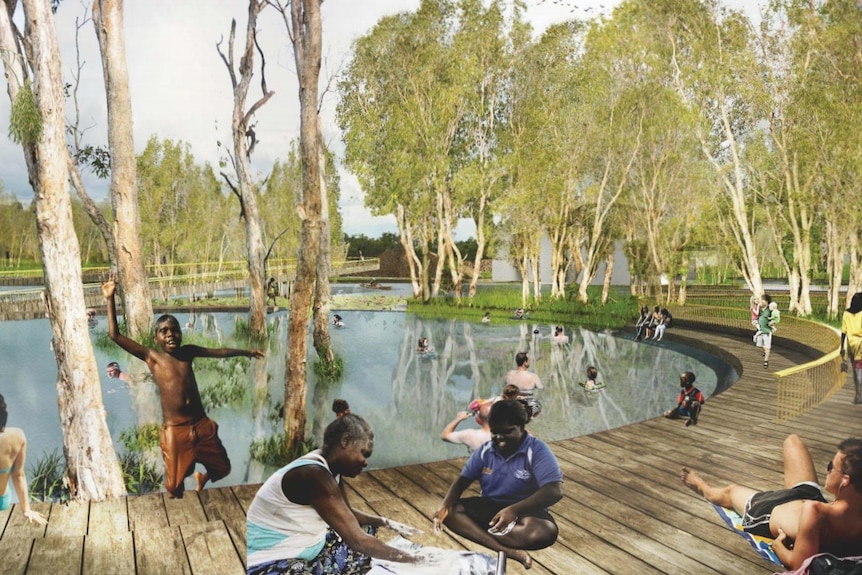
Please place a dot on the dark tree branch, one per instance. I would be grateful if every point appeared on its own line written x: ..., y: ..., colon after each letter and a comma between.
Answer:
x: 228, y: 62
x: 237, y: 193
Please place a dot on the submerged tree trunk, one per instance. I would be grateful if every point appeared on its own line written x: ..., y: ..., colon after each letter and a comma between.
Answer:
x: 322, y: 342
x: 92, y: 468
x: 137, y: 302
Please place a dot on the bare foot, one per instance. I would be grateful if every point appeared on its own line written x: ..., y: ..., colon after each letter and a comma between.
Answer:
x: 692, y: 480
x: 201, y: 479
x: 521, y: 557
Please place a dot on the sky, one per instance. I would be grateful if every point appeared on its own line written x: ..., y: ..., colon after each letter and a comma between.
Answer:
x: 181, y: 89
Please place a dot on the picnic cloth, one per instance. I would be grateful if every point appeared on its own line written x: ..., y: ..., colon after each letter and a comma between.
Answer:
x: 762, y: 545
x: 440, y: 561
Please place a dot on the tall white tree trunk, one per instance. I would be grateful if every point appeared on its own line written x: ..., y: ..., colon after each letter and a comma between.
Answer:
x: 244, y: 139
x: 137, y: 302
x: 93, y: 470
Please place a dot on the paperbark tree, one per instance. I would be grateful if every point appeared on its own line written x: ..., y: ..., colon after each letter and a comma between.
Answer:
x: 35, y: 87
x: 715, y: 70
x: 137, y: 302
x: 244, y: 140
x: 304, y: 28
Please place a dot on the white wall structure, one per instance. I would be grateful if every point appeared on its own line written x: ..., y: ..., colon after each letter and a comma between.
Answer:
x: 504, y: 271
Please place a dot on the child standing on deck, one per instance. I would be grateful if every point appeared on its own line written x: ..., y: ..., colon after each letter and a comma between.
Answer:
x: 187, y: 436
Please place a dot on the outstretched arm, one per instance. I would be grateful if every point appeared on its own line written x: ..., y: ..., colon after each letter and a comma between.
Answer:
x: 220, y: 352
x: 109, y: 289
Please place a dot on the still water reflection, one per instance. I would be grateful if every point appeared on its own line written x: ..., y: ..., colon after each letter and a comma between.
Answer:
x: 406, y: 396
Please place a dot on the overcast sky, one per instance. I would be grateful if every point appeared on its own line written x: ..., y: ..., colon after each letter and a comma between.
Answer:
x: 181, y: 89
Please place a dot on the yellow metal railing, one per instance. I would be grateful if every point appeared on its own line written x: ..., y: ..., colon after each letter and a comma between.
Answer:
x: 798, y: 388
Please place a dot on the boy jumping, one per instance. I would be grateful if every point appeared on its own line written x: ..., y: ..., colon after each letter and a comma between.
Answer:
x: 188, y: 436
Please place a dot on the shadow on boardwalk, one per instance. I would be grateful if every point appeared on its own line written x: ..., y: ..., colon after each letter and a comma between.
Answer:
x: 624, y: 511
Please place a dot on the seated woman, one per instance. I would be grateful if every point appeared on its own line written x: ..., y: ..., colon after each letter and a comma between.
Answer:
x: 300, y: 520
x: 642, y: 323
x: 13, y: 456
x: 519, y: 478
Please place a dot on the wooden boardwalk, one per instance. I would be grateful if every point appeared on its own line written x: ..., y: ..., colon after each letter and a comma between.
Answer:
x: 624, y: 510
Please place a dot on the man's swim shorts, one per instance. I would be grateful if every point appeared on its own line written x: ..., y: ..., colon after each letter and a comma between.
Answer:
x: 758, y: 509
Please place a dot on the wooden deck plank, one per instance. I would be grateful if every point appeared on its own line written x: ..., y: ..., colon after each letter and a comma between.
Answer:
x: 109, y: 552
x: 211, y: 550
x: 245, y: 494
x: 57, y: 555
x: 160, y: 550
x: 186, y: 510
x: 15, y: 551
x: 110, y: 517
x: 624, y: 509
x: 68, y: 519
x: 147, y: 512
x: 20, y: 526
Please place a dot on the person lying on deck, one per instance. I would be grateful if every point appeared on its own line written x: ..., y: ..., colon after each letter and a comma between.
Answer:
x: 520, y: 478
x: 798, y: 517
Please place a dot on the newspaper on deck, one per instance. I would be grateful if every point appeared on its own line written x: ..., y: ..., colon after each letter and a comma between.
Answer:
x: 436, y: 561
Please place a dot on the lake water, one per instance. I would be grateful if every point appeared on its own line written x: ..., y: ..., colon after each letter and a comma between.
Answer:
x: 407, y: 397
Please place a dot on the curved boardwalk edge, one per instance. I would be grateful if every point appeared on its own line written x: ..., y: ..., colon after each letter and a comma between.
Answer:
x: 624, y: 510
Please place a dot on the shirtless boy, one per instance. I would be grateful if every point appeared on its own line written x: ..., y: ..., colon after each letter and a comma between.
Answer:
x: 798, y: 517
x: 188, y: 436
x: 527, y: 381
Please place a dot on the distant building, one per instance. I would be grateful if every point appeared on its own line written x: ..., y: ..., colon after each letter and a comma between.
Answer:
x: 504, y: 271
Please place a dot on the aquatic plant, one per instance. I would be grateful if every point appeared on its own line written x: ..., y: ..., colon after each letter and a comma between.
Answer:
x: 272, y: 451
x: 143, y: 438
x: 330, y: 371
x: 46, y: 478
x: 140, y: 473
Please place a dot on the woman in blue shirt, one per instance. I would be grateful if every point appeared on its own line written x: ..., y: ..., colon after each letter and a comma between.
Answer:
x: 520, y: 478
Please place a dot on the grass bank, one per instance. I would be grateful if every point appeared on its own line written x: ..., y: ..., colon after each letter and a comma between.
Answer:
x: 502, y: 301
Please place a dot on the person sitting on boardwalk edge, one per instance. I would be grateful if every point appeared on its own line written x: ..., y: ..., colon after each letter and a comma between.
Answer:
x: 798, y: 517
x: 13, y: 457
x: 519, y: 478
x: 187, y: 436
x: 689, y: 402
x: 300, y: 520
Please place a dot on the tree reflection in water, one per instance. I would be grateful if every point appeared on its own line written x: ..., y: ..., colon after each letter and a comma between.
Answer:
x: 407, y: 396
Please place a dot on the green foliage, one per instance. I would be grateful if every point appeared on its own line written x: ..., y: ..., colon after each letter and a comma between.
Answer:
x: 46, y: 478
x: 502, y: 301
x: 25, y: 119
x: 141, y: 438
x: 272, y: 451
x: 222, y: 381
x: 371, y: 247
x: 140, y: 474
x: 329, y: 371
x: 96, y: 158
